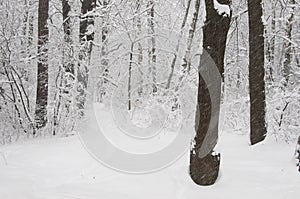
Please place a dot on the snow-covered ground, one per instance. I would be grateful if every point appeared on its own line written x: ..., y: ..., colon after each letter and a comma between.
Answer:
x: 61, y: 168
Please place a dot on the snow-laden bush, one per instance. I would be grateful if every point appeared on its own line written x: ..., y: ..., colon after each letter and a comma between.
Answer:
x: 284, y: 111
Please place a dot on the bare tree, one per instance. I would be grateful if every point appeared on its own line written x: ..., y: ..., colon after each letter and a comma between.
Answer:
x: 42, y: 73
x: 86, y: 38
x: 138, y: 23
x: 104, y: 49
x: 187, y: 56
x: 258, y: 129
x: 186, y: 65
x: 68, y: 65
x: 66, y: 73
x: 152, y: 43
x: 204, y: 170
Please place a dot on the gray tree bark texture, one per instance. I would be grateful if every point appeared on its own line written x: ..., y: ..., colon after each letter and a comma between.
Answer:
x: 42, y: 72
x: 204, y: 170
x: 258, y: 128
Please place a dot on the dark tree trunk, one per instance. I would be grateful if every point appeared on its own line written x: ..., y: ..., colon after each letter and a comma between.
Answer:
x: 68, y: 60
x: 66, y: 19
x: 86, y: 37
x: 298, y: 153
x: 87, y: 19
x: 68, y: 63
x: 42, y: 73
x: 104, y: 49
x: 129, y: 89
x: 204, y: 170
x: 256, y: 72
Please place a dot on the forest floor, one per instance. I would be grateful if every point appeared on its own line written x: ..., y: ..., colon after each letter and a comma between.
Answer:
x: 60, y: 168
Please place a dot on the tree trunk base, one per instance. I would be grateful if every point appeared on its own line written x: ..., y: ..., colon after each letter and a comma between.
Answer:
x: 298, y: 154
x: 204, y: 171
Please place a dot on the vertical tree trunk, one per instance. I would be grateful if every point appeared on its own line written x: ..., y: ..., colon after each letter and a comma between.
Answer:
x: 104, y: 55
x: 27, y: 36
x: 258, y: 129
x: 28, y: 24
x: 104, y: 34
x: 204, y: 170
x: 187, y: 57
x: 238, y: 81
x: 67, y: 70
x: 271, y: 45
x: 152, y: 44
x: 288, y: 45
x: 42, y: 73
x: 178, y: 44
x: 130, y: 75
x: 68, y: 63
x: 68, y: 60
x: 86, y: 38
x: 298, y: 153
x: 272, y: 42
x: 25, y: 19
x: 138, y: 24
x: 186, y: 65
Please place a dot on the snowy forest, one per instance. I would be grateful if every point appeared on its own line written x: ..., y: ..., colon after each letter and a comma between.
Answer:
x: 202, y: 97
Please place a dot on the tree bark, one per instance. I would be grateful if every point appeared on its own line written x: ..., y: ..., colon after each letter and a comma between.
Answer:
x: 204, y: 170
x: 152, y: 44
x: 187, y: 57
x: 86, y: 38
x: 271, y: 46
x: 104, y: 48
x: 66, y: 72
x: 298, y: 154
x: 138, y: 24
x: 68, y: 63
x: 258, y: 129
x: 130, y: 76
x: 288, y: 45
x: 42, y: 73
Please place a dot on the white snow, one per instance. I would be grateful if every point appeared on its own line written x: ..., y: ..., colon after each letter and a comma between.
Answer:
x: 62, y: 169
x: 264, y: 21
x: 222, y: 9
x: 125, y: 142
x: 90, y: 29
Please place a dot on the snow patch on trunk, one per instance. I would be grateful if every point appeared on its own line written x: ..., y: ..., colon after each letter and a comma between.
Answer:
x: 222, y: 9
